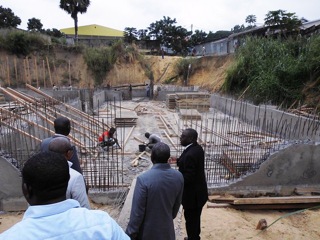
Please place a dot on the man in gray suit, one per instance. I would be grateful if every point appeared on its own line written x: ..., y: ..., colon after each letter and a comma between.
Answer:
x: 156, y: 199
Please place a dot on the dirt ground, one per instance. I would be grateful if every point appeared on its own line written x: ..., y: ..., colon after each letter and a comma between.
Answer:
x: 227, y: 223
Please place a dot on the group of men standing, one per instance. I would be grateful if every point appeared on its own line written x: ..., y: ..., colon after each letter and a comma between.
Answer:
x: 55, y: 189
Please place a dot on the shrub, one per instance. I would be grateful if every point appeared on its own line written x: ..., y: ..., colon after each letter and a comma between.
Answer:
x: 268, y: 69
x: 20, y: 43
x: 99, y: 62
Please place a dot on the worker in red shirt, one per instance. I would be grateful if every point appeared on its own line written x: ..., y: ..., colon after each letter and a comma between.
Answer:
x: 107, y: 139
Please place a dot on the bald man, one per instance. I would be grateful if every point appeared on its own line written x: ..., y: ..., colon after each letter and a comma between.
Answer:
x: 76, y: 186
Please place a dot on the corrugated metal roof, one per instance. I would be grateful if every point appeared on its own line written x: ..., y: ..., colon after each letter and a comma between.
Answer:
x: 94, y: 30
x: 310, y: 24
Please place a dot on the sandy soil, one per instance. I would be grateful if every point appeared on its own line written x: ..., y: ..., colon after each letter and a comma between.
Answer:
x: 227, y: 223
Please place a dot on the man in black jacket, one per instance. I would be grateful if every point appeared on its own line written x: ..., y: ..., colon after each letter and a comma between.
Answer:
x: 195, y: 192
x: 62, y: 127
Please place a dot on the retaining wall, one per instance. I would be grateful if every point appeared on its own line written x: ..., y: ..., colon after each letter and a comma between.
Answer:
x: 268, y: 118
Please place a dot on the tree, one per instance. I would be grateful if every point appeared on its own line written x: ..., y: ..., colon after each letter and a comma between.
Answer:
x: 143, y: 34
x: 198, y: 37
x: 35, y: 25
x: 54, y: 33
x: 251, y: 20
x: 8, y: 19
x: 218, y: 35
x: 179, y: 42
x: 130, y: 34
x: 283, y: 21
x: 73, y: 7
x: 169, y: 35
x: 238, y: 28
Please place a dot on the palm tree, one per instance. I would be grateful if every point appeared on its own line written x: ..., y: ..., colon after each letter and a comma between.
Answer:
x: 251, y: 19
x: 73, y: 7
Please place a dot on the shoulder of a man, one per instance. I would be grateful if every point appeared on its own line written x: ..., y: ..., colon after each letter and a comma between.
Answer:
x: 45, y: 144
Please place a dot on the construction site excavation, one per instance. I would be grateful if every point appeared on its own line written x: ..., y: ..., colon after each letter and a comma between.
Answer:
x: 256, y: 157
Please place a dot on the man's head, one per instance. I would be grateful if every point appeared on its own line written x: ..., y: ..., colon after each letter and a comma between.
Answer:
x: 112, y: 130
x: 62, y: 125
x: 160, y: 153
x: 188, y: 136
x: 45, y: 178
x: 147, y: 135
x: 61, y: 145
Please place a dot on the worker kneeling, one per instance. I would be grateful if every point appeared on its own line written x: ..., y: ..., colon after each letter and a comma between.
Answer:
x: 107, y: 139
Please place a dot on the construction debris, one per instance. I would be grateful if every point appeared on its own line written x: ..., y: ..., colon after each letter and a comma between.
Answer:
x: 135, y: 162
x: 262, y: 224
x: 186, y: 100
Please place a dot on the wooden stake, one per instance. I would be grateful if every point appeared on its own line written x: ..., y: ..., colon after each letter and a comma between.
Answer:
x: 15, y: 68
x: 69, y: 72
x: 44, y: 74
x: 36, y: 71
x: 49, y: 71
x: 25, y: 71
x: 8, y: 72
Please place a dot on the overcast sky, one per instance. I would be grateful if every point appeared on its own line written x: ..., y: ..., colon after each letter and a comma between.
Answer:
x: 206, y: 15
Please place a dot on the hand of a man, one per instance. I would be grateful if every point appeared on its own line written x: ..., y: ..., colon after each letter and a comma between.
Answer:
x: 172, y: 160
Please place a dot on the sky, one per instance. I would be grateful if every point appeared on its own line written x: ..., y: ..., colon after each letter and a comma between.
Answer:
x: 205, y: 15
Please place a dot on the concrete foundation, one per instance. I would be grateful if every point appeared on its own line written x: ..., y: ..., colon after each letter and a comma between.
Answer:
x: 11, y: 196
x: 284, y: 171
x: 280, y: 174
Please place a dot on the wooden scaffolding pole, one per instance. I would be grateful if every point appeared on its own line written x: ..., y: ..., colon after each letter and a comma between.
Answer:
x: 8, y: 72
x: 49, y: 71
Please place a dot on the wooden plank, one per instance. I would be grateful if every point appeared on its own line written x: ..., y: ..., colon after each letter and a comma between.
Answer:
x: 218, y: 205
x: 307, y: 191
x: 129, y: 134
x: 273, y: 206
x: 277, y: 200
x: 219, y: 199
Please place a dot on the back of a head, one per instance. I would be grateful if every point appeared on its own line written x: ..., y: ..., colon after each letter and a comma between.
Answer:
x: 160, y: 153
x: 112, y: 130
x: 60, y: 145
x: 48, y: 175
x: 62, y: 125
x: 192, y: 133
x: 147, y: 135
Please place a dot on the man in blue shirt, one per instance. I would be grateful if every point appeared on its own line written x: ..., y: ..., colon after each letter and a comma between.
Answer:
x: 45, y: 179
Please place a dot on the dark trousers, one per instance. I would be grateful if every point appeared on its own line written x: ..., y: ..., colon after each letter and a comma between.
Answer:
x: 193, y: 222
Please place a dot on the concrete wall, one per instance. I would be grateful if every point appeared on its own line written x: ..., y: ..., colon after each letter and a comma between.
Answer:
x: 295, y: 166
x: 286, y: 125
x: 11, y: 196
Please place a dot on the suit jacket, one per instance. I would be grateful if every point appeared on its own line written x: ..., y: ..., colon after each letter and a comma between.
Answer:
x: 44, y: 147
x: 156, y: 202
x: 191, y: 165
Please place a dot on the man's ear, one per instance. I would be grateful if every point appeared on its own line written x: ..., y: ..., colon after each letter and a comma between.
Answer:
x: 69, y: 154
x: 27, y: 192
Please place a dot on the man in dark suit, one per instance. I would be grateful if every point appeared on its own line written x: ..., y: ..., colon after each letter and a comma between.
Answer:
x: 62, y: 128
x: 156, y: 199
x: 195, y: 192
